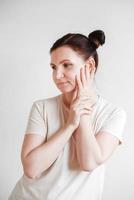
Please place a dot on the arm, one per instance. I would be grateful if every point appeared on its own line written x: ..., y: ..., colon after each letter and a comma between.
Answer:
x: 38, y: 156
x: 92, y: 150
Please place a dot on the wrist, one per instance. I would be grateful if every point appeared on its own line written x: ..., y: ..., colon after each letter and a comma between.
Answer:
x: 69, y: 127
x: 85, y: 119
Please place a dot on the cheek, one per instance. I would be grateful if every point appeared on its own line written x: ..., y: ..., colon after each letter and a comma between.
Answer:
x: 74, y: 73
x: 54, y: 75
x: 71, y: 77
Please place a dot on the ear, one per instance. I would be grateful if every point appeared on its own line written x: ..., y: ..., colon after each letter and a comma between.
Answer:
x: 90, y: 62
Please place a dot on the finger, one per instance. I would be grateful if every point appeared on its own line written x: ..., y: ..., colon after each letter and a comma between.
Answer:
x: 82, y: 106
x: 92, y: 73
x: 87, y: 69
x: 83, y: 101
x: 83, y: 76
x: 85, y: 112
x: 79, y: 84
x: 84, y: 98
x: 75, y: 91
x: 74, y: 95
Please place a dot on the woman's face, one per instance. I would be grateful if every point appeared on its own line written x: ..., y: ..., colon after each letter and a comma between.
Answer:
x: 65, y: 63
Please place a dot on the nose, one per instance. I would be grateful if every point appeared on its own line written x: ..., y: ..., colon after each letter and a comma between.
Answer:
x: 59, y: 74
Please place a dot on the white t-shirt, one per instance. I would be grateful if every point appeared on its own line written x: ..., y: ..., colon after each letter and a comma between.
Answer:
x: 64, y: 180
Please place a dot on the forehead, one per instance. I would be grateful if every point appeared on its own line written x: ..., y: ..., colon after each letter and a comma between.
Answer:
x: 63, y: 53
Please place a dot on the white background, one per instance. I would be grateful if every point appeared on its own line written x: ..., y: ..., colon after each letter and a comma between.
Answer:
x: 27, y: 31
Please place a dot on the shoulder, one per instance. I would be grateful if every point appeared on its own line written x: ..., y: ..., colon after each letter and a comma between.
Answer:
x: 110, y: 108
x: 49, y: 103
x: 45, y: 100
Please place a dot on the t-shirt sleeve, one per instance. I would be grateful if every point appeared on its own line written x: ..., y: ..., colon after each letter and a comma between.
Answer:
x: 36, y: 123
x: 115, y: 124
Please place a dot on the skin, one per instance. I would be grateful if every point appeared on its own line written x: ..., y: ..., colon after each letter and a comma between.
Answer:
x: 71, y: 71
x: 79, y: 95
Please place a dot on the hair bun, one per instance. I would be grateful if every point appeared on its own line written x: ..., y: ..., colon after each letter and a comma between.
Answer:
x: 97, y: 38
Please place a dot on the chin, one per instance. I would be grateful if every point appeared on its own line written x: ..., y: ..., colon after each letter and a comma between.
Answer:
x: 66, y: 90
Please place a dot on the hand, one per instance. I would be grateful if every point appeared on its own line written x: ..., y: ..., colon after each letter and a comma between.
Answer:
x: 84, y: 83
x: 82, y: 98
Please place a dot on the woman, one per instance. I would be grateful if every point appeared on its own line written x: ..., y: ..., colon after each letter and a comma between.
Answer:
x: 70, y: 137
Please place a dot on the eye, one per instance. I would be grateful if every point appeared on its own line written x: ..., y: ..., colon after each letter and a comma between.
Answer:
x: 67, y: 64
x: 53, y: 67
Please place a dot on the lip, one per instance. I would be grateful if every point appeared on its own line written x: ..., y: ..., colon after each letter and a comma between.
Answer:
x: 62, y: 83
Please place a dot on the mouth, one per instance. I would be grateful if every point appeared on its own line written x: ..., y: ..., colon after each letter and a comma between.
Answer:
x: 63, y: 83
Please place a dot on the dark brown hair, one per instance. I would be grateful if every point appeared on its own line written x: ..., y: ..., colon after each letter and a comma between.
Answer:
x: 83, y: 45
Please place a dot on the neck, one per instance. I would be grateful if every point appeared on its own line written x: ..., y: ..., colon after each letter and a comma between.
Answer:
x: 67, y: 98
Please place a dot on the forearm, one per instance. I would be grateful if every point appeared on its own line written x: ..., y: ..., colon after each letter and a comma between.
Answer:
x: 42, y: 157
x: 88, y: 150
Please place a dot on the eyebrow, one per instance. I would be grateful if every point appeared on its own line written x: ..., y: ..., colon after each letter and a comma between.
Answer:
x: 61, y: 61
